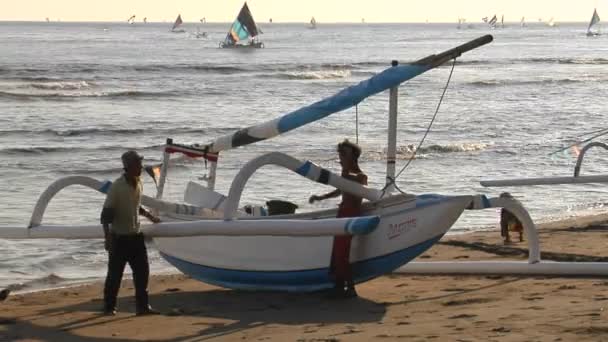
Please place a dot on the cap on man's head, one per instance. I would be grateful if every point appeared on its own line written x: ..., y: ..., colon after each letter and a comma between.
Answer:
x: 129, y: 157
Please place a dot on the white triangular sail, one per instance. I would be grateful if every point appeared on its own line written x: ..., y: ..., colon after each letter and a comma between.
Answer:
x: 595, y: 19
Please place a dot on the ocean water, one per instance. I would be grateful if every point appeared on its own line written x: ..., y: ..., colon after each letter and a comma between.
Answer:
x: 75, y: 96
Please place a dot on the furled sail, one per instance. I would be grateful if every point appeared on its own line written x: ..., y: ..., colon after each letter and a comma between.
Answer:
x: 244, y: 27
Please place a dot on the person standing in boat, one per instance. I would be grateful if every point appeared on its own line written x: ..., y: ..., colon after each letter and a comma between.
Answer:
x: 350, y: 206
x: 123, y: 240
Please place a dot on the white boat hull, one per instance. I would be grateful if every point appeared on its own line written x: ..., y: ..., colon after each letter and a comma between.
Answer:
x: 406, y: 229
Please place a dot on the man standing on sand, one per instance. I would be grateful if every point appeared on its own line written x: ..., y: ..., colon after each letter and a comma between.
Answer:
x: 350, y: 206
x: 123, y: 240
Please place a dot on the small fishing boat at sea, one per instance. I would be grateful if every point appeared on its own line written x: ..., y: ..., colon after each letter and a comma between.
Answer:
x: 313, y: 23
x: 595, y: 20
x: 178, y: 22
x: 244, y: 32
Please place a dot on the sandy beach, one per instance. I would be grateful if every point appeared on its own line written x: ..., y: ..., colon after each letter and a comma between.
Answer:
x: 394, y: 307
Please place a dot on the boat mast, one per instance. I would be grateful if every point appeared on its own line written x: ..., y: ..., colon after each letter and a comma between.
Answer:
x: 163, y: 172
x: 391, y: 150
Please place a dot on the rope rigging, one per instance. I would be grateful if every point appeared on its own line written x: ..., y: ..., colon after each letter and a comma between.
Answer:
x: 392, y: 181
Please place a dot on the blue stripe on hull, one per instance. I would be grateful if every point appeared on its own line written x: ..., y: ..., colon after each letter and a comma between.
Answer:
x: 298, y: 281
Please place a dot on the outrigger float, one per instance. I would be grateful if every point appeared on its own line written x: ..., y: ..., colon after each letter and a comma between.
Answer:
x: 209, y: 238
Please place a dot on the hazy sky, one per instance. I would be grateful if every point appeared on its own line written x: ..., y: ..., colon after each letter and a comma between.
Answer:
x: 302, y: 10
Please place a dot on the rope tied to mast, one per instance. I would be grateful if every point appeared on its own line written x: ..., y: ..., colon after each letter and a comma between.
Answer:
x: 392, y: 180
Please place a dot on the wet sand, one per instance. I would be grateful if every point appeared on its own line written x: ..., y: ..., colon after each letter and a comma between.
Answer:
x: 394, y: 307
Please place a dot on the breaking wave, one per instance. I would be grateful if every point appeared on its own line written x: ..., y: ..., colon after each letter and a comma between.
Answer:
x: 49, y: 280
x: 131, y: 94
x: 450, y: 148
x: 407, y: 151
x: 536, y: 60
x: 121, y: 131
x: 37, y: 150
x: 61, y: 85
x: 314, y: 75
x: 503, y: 83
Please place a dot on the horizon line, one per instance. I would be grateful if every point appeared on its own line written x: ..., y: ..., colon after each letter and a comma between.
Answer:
x: 278, y: 22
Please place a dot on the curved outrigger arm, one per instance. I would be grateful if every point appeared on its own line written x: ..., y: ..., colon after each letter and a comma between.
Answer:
x: 517, y: 209
x: 304, y: 168
x: 103, y: 187
x: 259, y: 226
x: 579, y: 160
x: 576, y: 179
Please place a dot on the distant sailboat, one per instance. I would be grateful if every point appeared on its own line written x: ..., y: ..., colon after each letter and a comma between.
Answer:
x: 492, y: 22
x: 313, y: 23
x: 178, y: 22
x: 502, y: 21
x: 199, y: 32
x: 48, y: 20
x: 551, y: 23
x: 522, y: 23
x: 145, y: 20
x: 243, y: 32
x: 131, y: 19
x: 595, y: 19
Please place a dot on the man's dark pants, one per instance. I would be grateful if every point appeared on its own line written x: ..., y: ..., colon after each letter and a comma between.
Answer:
x: 129, y: 249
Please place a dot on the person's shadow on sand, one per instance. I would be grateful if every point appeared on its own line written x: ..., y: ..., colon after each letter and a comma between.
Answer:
x: 246, y: 310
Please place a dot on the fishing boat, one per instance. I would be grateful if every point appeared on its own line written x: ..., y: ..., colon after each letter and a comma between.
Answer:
x: 313, y: 23
x: 178, y: 22
x: 212, y: 238
x: 595, y: 20
x: 244, y: 32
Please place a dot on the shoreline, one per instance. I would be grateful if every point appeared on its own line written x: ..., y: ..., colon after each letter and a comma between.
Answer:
x: 392, y: 307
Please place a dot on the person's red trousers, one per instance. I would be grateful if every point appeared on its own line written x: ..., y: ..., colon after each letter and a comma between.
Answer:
x: 340, y: 254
